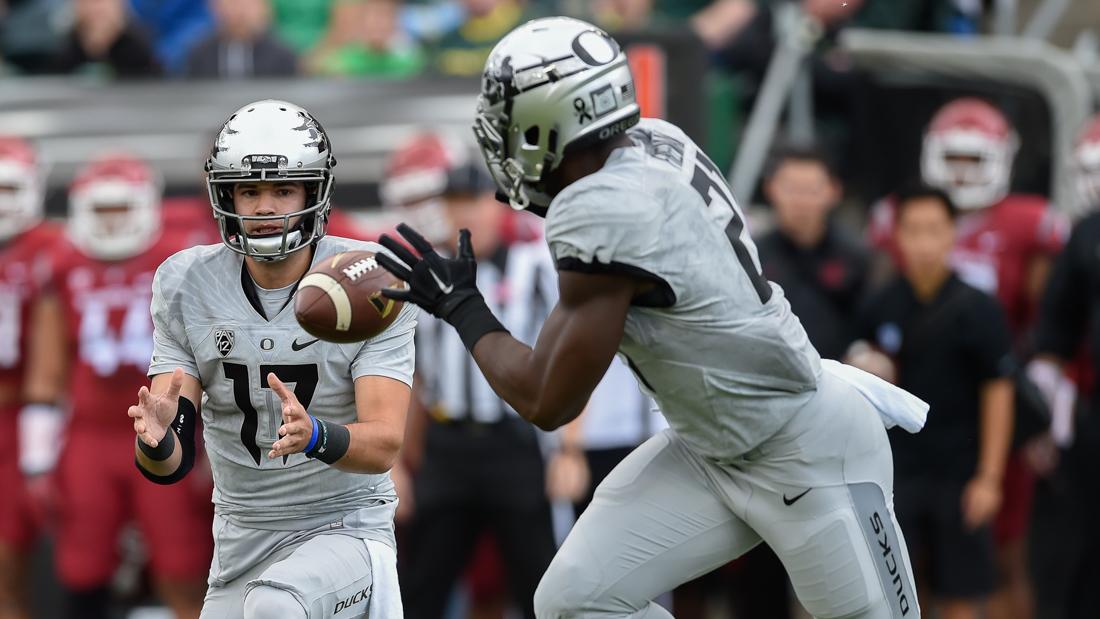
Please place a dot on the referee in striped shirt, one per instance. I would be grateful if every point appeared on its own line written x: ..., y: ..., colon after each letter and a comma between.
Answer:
x: 477, y: 466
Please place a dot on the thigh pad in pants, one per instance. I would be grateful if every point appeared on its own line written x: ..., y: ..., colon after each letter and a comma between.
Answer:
x: 329, y: 575
x: 843, y: 550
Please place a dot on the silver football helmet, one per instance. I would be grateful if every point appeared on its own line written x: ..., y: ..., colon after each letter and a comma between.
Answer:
x: 550, y: 84
x: 271, y: 141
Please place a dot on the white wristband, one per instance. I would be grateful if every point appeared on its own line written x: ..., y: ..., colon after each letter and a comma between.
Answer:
x: 41, y: 427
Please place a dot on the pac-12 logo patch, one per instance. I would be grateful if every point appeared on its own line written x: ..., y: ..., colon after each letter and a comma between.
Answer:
x: 223, y: 339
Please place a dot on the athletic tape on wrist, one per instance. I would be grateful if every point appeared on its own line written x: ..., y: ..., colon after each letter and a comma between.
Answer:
x: 474, y: 320
x: 332, y: 443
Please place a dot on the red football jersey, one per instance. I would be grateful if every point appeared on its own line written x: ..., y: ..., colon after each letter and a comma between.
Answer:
x: 23, y: 269
x: 994, y: 248
x: 24, y: 261
x: 108, y: 330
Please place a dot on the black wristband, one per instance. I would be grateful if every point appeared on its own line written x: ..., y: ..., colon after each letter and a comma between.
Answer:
x: 473, y: 320
x: 333, y: 441
x: 163, y: 450
x: 183, y: 430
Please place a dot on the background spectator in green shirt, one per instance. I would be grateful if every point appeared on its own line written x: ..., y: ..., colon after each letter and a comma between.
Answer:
x: 463, y: 51
x: 365, y: 39
x: 301, y: 23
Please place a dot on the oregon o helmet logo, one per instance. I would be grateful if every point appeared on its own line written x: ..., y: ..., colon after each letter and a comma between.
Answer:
x: 595, y: 48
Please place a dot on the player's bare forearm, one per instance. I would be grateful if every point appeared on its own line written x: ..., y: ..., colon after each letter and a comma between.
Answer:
x: 550, y: 384
x: 382, y: 405
x: 996, y: 428
x: 47, y: 359
x: 374, y: 448
x: 517, y: 376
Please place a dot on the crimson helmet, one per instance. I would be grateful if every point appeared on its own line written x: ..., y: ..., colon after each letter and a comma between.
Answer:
x: 968, y: 152
x: 421, y: 172
x: 114, y: 207
x: 1086, y: 166
x: 22, y: 186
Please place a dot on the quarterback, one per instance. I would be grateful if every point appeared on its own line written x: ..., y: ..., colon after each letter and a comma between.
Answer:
x: 300, y: 433
x: 767, y: 442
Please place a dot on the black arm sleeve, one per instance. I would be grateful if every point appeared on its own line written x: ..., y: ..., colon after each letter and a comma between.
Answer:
x: 184, y: 427
x: 1063, y: 309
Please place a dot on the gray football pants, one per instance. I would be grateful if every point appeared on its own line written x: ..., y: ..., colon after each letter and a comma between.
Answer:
x: 819, y: 493
x: 326, y: 575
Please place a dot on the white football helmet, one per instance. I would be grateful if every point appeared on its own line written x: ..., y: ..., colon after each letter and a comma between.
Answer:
x: 550, y: 84
x: 114, y: 207
x: 968, y: 152
x: 271, y: 141
x: 22, y: 186
x: 1086, y: 163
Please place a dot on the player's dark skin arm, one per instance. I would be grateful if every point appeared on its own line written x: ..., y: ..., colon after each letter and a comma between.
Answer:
x: 550, y: 384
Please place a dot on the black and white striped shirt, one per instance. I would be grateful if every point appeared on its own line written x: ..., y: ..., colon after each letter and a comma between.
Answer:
x: 520, y: 286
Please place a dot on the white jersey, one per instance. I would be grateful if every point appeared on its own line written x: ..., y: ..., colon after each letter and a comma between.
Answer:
x: 205, y: 323
x: 713, y: 342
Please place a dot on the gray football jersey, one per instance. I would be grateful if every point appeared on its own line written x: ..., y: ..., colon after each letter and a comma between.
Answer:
x: 204, y: 323
x: 713, y: 342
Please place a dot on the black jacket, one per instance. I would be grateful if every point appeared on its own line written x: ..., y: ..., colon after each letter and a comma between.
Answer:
x: 824, y: 285
x: 131, y: 56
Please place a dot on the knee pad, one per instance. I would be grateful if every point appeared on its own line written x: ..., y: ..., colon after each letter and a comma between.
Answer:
x: 554, y: 597
x: 267, y: 602
x: 568, y: 587
x: 545, y: 602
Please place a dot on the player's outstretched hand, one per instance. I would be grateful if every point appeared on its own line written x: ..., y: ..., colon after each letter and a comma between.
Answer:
x: 297, y: 427
x: 437, y: 284
x: 154, y: 412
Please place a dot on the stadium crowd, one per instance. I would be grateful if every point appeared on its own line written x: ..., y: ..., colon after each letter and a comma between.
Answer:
x: 950, y: 274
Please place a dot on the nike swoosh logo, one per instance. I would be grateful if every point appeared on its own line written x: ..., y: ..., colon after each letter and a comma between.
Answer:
x: 792, y: 501
x: 447, y: 289
x: 295, y: 346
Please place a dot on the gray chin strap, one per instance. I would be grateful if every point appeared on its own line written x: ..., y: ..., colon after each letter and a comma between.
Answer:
x: 270, y: 248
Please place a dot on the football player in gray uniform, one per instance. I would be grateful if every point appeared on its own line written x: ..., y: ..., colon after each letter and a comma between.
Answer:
x: 767, y: 442
x: 300, y: 433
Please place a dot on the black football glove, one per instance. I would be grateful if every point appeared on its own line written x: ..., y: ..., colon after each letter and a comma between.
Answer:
x: 444, y: 287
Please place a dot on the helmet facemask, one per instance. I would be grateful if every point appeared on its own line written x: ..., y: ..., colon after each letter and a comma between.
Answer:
x: 973, y: 168
x: 299, y: 229
x: 520, y: 183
